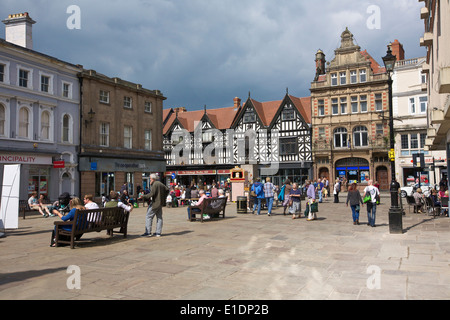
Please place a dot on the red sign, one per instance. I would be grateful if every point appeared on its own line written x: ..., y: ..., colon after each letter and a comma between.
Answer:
x: 224, y: 171
x: 59, y: 164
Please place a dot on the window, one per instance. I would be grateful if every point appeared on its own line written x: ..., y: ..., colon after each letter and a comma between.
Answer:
x: 360, y: 137
x: 423, y: 78
x: 24, y: 123
x: 412, y: 105
x: 354, y: 104
x: 322, y: 132
x: 2, y: 120
x: 321, y: 107
x: 288, y: 113
x: 413, y: 143
x: 363, y: 103
x: 362, y: 75
x: 379, y: 129
x: 66, y: 128
x: 343, y: 78
x: 104, y: 134
x: 378, y: 102
x: 148, y: 140
x: 23, y: 78
x: 66, y: 90
x: 249, y: 116
x: 353, y: 77
x: 45, y: 125
x: 334, y: 106
x: 2, y: 73
x: 340, y: 138
x: 334, y: 79
x: 288, y: 146
x: 343, y: 105
x: 127, y: 102
x: 128, y: 137
x: 423, y: 104
x: 148, y: 106
x: 45, y: 81
x: 104, y: 96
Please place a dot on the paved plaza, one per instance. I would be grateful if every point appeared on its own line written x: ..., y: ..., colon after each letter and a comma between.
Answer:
x: 242, y: 257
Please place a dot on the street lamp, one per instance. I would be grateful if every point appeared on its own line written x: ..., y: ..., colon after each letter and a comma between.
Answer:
x: 395, y: 213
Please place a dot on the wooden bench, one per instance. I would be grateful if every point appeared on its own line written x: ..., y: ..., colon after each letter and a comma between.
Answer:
x: 211, y: 206
x: 94, y: 220
x: 24, y: 207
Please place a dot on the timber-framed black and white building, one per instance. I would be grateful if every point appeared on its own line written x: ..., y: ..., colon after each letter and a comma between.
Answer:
x: 264, y: 138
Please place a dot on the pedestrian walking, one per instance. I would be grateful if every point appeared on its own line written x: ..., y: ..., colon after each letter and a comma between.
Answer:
x: 337, y: 189
x: 287, y: 192
x: 311, y: 194
x: 258, y: 192
x: 157, y: 195
x: 269, y: 195
x: 295, y: 205
x: 354, y: 197
x: 372, y: 203
x: 320, y: 188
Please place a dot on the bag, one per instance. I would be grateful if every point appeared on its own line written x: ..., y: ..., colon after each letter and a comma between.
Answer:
x: 136, y: 205
x: 259, y: 189
x: 291, y: 201
x: 314, y: 207
x: 281, y: 193
x: 378, y: 199
x: 252, y: 193
x: 367, y: 197
x: 306, y: 210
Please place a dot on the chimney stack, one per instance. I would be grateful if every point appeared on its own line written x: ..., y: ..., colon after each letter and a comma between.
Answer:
x: 237, y: 103
x: 18, y: 29
x: 397, y: 50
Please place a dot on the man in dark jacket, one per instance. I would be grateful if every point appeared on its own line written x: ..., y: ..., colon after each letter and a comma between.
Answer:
x: 157, y: 196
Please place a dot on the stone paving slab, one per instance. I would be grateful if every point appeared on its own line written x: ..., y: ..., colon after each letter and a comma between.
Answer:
x: 244, y: 256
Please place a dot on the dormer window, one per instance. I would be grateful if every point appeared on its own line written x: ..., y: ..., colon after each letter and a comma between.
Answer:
x: 288, y: 112
x: 249, y: 116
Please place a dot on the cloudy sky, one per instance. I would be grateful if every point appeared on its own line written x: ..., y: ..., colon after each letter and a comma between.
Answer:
x: 206, y: 52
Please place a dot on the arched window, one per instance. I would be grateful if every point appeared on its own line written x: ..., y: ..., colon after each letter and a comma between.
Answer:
x: 340, y: 138
x: 360, y: 137
x: 24, y: 123
x: 45, y: 125
x: 2, y: 120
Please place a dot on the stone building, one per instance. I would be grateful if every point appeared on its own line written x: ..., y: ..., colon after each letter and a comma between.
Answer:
x: 120, y: 130
x: 350, y: 110
x: 39, y: 113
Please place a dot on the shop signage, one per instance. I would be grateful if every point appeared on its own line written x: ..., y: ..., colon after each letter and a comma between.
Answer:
x: 24, y: 159
x: 196, y: 172
x: 59, y: 164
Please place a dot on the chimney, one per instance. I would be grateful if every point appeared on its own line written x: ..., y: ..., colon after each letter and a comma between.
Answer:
x: 320, y: 64
x: 18, y: 29
x: 237, y: 103
x: 397, y: 50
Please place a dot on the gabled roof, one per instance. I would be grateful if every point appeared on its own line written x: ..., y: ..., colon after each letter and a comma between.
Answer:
x: 376, y: 68
x: 221, y: 118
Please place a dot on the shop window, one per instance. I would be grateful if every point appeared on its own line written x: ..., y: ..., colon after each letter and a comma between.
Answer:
x: 38, y: 181
x: 104, y: 183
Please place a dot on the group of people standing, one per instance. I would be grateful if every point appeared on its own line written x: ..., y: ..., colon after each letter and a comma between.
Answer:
x: 290, y: 195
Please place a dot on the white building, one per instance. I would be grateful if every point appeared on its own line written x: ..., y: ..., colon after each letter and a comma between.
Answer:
x: 410, y: 103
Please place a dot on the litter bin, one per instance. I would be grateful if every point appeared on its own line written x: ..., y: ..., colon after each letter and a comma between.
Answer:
x: 241, y: 204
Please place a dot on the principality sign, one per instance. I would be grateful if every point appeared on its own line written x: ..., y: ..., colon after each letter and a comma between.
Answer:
x: 25, y: 159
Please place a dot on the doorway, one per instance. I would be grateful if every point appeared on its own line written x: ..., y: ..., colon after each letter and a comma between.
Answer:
x: 383, y: 178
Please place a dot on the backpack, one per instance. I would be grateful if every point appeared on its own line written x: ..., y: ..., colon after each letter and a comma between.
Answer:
x: 258, y: 188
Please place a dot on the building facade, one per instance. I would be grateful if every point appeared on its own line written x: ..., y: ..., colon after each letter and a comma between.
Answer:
x: 410, y: 107
x: 436, y: 39
x: 120, y: 130
x: 39, y: 113
x: 263, y: 138
x: 350, y: 111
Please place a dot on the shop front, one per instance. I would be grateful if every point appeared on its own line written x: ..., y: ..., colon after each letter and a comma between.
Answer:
x: 36, y: 174
x: 99, y: 176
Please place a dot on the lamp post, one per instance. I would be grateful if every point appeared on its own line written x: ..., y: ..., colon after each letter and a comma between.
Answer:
x: 395, y: 213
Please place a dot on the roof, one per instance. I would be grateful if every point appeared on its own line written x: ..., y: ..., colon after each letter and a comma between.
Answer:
x: 223, y: 118
x: 376, y: 68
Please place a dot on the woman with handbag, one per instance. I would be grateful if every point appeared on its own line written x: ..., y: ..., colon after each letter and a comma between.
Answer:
x: 354, y: 197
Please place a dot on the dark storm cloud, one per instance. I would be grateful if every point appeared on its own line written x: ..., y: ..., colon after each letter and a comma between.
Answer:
x: 206, y: 52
